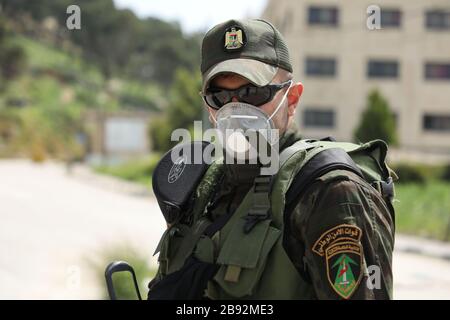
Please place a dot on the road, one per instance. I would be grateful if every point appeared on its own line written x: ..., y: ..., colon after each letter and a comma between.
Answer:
x: 53, y: 223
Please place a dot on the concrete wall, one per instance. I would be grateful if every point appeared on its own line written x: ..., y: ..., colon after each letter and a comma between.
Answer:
x: 117, y: 136
x: 352, y: 44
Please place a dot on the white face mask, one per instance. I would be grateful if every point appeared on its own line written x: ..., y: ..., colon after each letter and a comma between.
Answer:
x: 236, y: 120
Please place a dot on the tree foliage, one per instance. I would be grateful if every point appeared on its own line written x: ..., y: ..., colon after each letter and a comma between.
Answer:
x: 116, y: 40
x: 184, y: 108
x: 12, y: 57
x: 116, y: 61
x: 377, y: 121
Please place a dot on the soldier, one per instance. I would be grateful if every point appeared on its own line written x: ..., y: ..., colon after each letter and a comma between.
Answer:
x: 319, y: 231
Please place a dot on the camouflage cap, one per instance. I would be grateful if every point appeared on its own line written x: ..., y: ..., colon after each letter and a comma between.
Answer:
x: 254, y: 49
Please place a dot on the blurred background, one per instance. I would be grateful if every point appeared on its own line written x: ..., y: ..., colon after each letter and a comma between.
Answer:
x: 90, y: 96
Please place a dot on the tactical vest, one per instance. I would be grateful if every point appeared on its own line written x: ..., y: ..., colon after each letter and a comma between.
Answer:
x: 243, y: 256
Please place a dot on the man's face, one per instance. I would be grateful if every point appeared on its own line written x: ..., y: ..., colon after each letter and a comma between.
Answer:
x: 282, y: 118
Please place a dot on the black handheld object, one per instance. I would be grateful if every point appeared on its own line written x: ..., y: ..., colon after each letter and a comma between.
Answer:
x: 119, y: 266
x: 178, y: 174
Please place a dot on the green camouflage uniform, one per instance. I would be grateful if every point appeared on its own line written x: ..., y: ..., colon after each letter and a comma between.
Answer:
x: 341, y: 232
x: 338, y: 198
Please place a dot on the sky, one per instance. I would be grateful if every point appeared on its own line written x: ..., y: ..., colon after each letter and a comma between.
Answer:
x: 194, y: 15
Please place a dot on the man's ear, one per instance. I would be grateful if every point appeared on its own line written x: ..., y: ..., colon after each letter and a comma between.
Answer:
x: 294, y: 95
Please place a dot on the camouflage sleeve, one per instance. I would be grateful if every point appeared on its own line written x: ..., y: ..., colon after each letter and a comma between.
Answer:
x: 347, y: 231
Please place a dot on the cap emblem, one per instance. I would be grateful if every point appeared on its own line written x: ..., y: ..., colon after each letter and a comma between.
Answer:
x: 234, y: 38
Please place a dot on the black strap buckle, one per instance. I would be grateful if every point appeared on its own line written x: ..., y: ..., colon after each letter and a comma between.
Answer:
x: 260, y: 209
x: 386, y: 188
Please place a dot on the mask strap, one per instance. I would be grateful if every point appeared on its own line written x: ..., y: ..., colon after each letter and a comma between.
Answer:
x: 281, y: 102
x: 214, y: 118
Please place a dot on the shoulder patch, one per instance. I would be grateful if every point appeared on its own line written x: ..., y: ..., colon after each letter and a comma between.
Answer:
x: 342, y: 250
x: 342, y: 232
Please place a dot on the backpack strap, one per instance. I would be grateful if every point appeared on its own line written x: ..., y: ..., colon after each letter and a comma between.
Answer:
x: 321, y: 163
x: 260, y: 209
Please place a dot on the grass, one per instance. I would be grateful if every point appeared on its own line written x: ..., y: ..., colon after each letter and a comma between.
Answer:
x: 424, y: 209
x: 84, y: 76
x: 42, y: 56
x: 123, y: 281
x: 139, y: 171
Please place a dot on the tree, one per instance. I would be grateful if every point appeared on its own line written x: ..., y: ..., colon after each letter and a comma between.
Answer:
x: 12, y: 57
x: 377, y: 121
x: 117, y: 41
x: 184, y: 108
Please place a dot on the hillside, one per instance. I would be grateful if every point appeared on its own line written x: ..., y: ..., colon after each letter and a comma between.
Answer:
x: 41, y: 108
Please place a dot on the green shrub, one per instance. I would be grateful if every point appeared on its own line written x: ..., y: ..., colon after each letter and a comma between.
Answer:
x: 417, y: 172
x: 140, y: 170
x: 377, y: 121
x: 423, y: 209
x: 408, y: 172
x: 37, y: 151
x: 160, y: 132
x: 446, y: 173
x: 184, y: 107
x: 123, y: 281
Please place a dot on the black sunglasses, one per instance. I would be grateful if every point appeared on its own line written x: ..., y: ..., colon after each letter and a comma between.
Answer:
x: 249, y: 93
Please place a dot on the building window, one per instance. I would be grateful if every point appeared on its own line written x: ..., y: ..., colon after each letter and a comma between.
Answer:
x: 323, y: 16
x: 433, y: 122
x: 438, y: 19
x: 320, y: 67
x: 318, y: 118
x: 382, y: 69
x: 391, y: 18
x: 437, y: 71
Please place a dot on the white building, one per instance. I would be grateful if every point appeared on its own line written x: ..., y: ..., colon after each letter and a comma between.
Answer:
x: 340, y: 60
